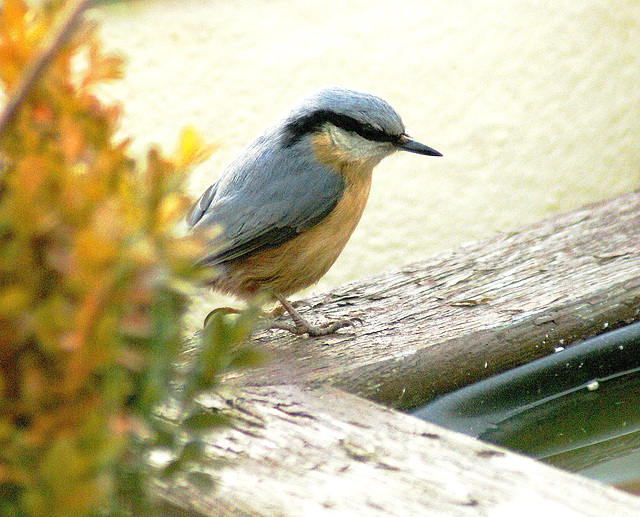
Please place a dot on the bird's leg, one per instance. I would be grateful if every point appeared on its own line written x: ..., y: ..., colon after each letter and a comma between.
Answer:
x: 301, y: 326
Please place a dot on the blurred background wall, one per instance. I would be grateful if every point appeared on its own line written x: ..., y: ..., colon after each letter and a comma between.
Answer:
x: 534, y: 104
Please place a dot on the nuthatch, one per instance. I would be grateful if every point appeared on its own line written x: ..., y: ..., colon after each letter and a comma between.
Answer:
x: 287, y: 205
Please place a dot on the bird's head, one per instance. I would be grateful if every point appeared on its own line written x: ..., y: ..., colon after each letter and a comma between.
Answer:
x: 350, y: 127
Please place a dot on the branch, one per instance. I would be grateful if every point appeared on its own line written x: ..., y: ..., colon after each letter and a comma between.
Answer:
x: 68, y: 17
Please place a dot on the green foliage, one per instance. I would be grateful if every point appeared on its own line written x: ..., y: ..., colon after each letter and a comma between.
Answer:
x: 94, y: 281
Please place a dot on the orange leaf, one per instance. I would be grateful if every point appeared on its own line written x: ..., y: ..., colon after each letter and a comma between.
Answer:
x: 13, y: 15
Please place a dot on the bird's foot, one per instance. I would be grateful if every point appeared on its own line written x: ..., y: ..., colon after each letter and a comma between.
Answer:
x: 301, y: 326
x: 220, y: 310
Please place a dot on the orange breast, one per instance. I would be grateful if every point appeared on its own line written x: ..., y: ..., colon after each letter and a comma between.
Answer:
x: 303, y: 260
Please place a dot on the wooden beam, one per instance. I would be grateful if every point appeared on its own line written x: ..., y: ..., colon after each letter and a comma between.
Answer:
x: 300, y: 445
x: 293, y: 451
x: 451, y: 320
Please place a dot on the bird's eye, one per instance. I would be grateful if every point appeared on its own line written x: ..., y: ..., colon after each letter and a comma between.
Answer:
x: 369, y: 132
x: 375, y: 134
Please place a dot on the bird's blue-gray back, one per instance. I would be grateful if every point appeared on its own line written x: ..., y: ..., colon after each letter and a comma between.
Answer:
x: 262, y: 200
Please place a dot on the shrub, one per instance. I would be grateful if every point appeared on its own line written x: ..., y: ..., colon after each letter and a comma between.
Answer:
x: 94, y: 280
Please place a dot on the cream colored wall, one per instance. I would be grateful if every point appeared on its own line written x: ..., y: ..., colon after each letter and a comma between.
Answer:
x: 535, y: 105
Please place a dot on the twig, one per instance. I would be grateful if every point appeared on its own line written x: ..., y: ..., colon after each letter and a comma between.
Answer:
x: 48, y: 48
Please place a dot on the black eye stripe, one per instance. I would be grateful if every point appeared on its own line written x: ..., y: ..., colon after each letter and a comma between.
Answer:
x: 314, y: 121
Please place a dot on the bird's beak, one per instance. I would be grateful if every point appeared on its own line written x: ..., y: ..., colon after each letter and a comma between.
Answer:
x: 406, y: 143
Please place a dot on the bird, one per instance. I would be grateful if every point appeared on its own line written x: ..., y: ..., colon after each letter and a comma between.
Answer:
x: 288, y: 203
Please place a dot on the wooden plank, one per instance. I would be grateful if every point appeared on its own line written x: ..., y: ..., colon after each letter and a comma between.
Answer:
x: 440, y: 324
x: 301, y: 446
x: 304, y: 452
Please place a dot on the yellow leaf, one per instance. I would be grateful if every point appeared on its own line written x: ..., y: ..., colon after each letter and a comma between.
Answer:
x: 191, y: 149
x: 172, y: 208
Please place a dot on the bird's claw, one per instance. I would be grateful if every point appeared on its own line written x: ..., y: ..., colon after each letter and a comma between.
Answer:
x: 301, y: 327
x: 220, y: 310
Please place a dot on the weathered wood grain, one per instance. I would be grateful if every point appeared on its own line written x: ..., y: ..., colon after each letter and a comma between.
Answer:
x: 307, y: 452
x: 437, y: 325
x: 300, y: 445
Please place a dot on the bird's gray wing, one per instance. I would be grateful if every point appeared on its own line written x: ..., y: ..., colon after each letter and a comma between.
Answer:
x: 264, y: 203
x: 202, y: 205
